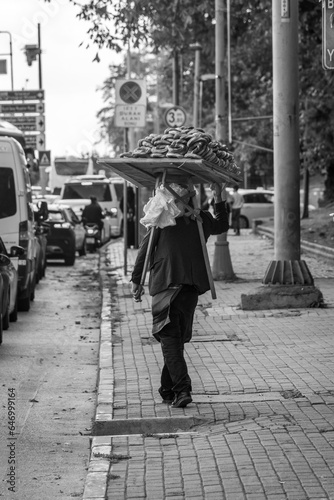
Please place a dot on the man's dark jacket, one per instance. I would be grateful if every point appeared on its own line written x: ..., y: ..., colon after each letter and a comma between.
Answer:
x: 92, y: 213
x: 177, y: 255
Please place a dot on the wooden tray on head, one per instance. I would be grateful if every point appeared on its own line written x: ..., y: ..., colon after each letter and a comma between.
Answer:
x: 142, y: 172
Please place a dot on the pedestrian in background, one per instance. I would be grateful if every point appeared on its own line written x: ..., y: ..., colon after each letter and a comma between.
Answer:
x: 178, y: 276
x: 237, y: 201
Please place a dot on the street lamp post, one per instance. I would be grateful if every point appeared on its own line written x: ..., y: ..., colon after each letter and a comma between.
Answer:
x: 197, y: 47
x: 203, y: 78
x: 11, y: 56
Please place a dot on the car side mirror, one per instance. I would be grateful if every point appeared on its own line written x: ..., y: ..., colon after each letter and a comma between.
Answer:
x: 16, y: 251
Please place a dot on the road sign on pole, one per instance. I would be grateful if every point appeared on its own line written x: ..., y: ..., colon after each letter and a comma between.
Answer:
x: 28, y: 123
x: 31, y: 141
x: 22, y: 95
x: 44, y: 158
x: 40, y: 142
x: 328, y: 34
x: 130, y: 109
x: 22, y: 108
x: 175, y: 116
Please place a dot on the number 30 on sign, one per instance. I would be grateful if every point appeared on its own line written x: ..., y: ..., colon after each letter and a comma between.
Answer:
x: 175, y: 116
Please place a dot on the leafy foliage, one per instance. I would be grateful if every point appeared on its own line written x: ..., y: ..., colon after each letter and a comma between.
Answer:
x: 168, y: 27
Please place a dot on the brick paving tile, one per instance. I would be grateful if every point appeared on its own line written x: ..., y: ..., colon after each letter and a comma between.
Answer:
x: 267, y: 433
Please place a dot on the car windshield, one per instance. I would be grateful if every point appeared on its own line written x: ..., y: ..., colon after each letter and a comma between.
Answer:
x: 7, y: 193
x: 87, y: 189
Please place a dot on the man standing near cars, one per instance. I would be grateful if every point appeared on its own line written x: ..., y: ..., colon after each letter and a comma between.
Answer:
x: 178, y: 276
x: 237, y: 201
x: 93, y: 213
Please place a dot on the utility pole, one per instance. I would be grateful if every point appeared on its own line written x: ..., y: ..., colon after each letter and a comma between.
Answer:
x: 286, y: 130
x: 289, y: 279
x: 222, y: 266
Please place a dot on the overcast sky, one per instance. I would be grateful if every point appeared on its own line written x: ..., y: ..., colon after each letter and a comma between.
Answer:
x: 70, y: 78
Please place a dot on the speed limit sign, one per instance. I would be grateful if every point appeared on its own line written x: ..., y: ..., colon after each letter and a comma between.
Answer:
x: 175, y: 116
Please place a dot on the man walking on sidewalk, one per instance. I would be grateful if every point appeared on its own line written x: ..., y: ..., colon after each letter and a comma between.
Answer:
x: 177, y: 277
x: 237, y: 201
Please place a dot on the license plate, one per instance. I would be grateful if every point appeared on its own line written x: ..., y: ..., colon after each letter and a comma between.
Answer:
x: 90, y: 240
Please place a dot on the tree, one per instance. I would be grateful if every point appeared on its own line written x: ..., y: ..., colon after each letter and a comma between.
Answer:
x: 172, y: 25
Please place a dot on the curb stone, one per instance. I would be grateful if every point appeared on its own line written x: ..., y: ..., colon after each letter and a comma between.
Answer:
x: 99, y: 465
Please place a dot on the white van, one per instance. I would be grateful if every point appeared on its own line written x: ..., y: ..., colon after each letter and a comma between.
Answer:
x: 17, y: 216
x: 76, y: 193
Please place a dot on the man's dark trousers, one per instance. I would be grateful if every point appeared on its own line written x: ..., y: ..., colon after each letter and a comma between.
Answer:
x: 236, y: 219
x: 174, y: 376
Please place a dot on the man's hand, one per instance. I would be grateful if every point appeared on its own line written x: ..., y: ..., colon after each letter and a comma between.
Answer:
x: 218, y: 191
x: 137, y: 292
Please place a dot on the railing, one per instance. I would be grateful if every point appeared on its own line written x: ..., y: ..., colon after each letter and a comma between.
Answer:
x: 307, y: 247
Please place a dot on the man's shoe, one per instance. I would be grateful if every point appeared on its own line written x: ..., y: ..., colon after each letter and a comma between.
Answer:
x: 181, y: 400
x: 167, y: 396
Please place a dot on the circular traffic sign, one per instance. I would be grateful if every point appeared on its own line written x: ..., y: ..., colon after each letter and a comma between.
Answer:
x: 130, y: 92
x: 175, y: 116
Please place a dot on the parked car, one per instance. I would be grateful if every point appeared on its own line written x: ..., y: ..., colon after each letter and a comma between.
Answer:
x: 9, y: 284
x: 16, y: 216
x: 66, y: 234
x: 258, y: 204
x: 2, y: 304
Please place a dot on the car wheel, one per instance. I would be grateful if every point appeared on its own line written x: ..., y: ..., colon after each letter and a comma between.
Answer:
x: 243, y: 222
x: 13, y: 314
x: 32, y: 289
x: 24, y: 304
x: 0, y: 328
x: 43, y: 269
x: 5, y: 319
x: 70, y: 260
x: 38, y: 275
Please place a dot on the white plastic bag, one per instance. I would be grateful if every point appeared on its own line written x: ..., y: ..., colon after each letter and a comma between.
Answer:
x: 161, y: 210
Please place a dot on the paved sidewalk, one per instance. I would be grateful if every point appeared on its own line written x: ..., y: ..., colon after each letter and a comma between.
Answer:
x: 261, y: 425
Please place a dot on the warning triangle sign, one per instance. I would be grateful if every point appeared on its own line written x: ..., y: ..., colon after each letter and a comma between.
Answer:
x: 44, y: 158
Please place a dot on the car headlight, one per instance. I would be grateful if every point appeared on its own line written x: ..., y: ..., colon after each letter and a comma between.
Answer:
x: 112, y: 212
x: 63, y: 225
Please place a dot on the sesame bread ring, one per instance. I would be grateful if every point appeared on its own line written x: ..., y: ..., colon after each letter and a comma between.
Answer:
x: 174, y: 155
x: 192, y: 155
